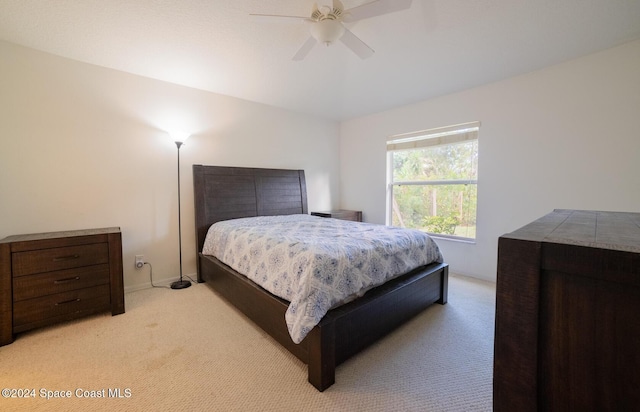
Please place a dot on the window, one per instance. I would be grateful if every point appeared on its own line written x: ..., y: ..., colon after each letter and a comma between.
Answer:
x: 433, y: 180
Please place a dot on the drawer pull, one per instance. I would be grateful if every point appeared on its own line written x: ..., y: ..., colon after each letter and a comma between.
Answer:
x: 68, y: 301
x: 69, y: 257
x: 56, y: 282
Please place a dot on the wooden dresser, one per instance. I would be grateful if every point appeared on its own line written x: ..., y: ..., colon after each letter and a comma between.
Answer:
x: 354, y: 215
x: 52, y: 277
x: 567, y: 334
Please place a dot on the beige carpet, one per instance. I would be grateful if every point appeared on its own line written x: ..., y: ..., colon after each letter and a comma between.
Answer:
x: 188, y: 350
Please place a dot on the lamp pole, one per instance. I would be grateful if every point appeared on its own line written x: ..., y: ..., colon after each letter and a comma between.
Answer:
x: 180, y: 284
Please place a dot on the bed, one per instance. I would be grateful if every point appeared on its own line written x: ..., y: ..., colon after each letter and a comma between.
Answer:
x: 224, y: 193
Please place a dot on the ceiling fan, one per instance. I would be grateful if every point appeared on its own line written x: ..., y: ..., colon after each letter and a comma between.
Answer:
x: 327, y: 24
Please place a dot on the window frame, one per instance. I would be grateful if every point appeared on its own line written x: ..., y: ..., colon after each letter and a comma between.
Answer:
x: 419, y: 140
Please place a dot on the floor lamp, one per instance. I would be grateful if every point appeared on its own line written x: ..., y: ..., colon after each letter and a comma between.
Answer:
x: 180, y: 284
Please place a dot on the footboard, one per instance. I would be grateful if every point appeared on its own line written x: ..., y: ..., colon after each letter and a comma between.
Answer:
x: 344, y: 331
x: 349, y: 329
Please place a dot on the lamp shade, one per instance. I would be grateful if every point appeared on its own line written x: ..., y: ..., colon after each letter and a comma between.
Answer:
x: 179, y: 136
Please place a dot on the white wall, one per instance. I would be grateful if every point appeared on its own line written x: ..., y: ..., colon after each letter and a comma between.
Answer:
x: 83, y: 147
x: 562, y: 137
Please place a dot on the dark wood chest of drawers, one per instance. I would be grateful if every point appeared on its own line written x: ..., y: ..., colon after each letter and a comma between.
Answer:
x: 567, y: 334
x: 52, y: 277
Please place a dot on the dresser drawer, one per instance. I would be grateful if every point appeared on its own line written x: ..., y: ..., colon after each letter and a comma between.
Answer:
x: 49, y: 260
x: 355, y: 215
x: 61, y: 306
x: 49, y: 283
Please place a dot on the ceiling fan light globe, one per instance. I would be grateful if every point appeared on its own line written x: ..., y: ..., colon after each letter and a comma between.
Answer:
x: 327, y: 31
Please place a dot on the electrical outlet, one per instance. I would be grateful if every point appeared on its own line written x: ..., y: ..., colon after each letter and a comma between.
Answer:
x: 139, y: 261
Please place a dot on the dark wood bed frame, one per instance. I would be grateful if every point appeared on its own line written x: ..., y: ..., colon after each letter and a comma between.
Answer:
x: 223, y: 193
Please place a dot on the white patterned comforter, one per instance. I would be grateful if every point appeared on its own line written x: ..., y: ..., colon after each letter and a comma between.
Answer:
x: 316, y: 263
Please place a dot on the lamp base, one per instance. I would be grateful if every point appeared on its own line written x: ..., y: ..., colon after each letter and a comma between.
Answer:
x: 180, y: 284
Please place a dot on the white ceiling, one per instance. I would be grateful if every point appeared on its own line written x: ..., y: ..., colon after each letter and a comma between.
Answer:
x: 434, y: 48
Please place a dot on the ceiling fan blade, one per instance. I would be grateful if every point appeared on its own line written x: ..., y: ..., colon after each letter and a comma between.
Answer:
x: 375, y: 8
x: 277, y: 18
x: 305, y: 49
x: 356, y: 45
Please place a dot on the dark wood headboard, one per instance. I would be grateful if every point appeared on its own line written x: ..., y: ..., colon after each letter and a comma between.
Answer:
x: 223, y: 193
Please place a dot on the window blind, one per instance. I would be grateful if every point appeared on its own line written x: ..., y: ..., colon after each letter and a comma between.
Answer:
x: 434, y: 137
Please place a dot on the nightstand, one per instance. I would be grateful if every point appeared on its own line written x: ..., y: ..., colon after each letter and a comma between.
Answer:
x: 47, y: 278
x: 355, y: 215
